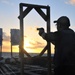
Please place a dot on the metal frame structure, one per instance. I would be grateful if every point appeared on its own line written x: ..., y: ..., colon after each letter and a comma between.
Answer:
x: 1, y: 39
x: 46, y: 17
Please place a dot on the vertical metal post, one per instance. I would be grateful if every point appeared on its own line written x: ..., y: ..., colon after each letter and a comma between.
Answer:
x: 1, y: 51
x: 1, y: 42
x: 11, y: 46
x: 48, y: 43
x: 19, y: 51
x: 11, y: 50
x: 21, y: 40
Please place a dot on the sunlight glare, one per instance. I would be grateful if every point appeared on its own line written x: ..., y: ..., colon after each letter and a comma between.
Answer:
x: 26, y: 43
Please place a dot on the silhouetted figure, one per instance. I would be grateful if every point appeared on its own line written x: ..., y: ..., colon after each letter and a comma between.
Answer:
x: 64, y: 41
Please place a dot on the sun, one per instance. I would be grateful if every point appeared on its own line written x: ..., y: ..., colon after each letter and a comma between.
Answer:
x: 26, y: 43
x: 28, y: 46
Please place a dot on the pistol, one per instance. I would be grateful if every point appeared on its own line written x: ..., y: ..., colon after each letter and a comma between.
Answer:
x: 40, y: 28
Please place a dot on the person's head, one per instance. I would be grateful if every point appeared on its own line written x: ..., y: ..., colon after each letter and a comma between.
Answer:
x: 62, y: 23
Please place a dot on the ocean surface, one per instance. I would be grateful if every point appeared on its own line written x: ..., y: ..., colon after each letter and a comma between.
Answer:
x: 8, y: 54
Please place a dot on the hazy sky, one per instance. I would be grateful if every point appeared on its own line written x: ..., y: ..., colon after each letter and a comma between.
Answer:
x: 9, y: 12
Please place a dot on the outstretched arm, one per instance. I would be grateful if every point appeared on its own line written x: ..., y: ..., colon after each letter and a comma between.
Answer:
x: 50, y: 37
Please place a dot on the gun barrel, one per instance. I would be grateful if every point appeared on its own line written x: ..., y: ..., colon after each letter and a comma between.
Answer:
x: 38, y: 28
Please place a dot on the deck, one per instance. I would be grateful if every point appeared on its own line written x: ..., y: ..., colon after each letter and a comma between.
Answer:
x: 31, y: 67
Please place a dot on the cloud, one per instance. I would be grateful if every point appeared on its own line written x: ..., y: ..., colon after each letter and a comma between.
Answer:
x: 25, y: 36
x: 6, y: 2
x: 36, y: 45
x: 5, y: 37
x: 72, y: 2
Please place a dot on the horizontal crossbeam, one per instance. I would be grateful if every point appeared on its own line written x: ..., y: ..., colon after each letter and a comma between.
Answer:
x: 33, y: 5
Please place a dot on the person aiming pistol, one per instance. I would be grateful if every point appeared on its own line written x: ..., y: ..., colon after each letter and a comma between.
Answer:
x: 64, y: 41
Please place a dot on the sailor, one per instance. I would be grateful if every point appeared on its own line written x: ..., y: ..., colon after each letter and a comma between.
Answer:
x: 64, y: 42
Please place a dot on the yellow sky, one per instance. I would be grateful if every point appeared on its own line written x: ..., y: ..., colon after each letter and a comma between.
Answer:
x: 33, y: 43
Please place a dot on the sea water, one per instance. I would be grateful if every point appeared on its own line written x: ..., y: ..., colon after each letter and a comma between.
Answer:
x: 15, y: 54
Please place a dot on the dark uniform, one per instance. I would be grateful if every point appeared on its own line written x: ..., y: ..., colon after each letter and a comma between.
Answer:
x: 64, y: 41
x: 64, y: 58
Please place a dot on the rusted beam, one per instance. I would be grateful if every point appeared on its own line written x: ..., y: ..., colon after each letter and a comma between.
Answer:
x: 25, y: 52
x: 42, y: 14
x: 48, y: 43
x: 42, y: 52
x: 25, y: 12
x: 21, y: 40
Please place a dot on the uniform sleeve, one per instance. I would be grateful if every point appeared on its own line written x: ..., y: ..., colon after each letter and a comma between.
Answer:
x: 51, y: 37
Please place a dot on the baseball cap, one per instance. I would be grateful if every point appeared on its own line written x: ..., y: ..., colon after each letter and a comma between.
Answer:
x: 63, y: 20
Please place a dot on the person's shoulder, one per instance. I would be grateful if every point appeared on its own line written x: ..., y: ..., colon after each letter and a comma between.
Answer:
x: 57, y: 32
x: 68, y: 31
x: 71, y: 29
